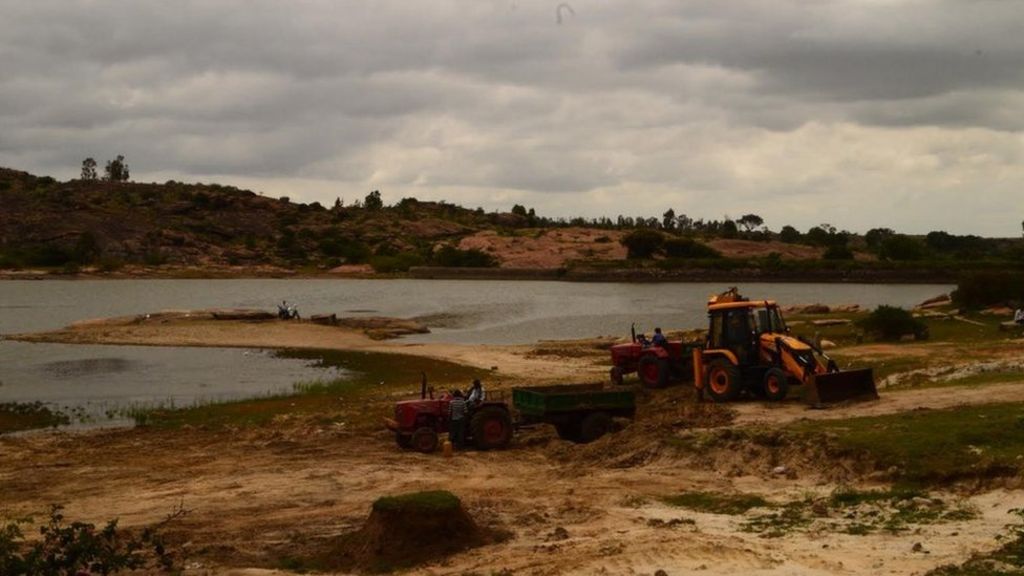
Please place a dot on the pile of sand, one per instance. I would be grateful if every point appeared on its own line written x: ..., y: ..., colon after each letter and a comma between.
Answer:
x: 408, y: 530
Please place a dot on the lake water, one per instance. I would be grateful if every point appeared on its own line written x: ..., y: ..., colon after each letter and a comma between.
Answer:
x: 102, y: 378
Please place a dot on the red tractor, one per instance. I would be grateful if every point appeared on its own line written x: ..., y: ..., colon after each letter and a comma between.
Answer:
x: 655, y: 365
x: 418, y: 423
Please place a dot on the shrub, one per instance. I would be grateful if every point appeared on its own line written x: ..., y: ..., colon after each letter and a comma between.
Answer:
x: 79, y: 548
x: 838, y: 252
x: 892, y: 323
x: 789, y: 235
x: 395, y: 263
x: 688, y: 248
x: 980, y: 289
x: 452, y: 257
x: 902, y: 247
x: 642, y: 243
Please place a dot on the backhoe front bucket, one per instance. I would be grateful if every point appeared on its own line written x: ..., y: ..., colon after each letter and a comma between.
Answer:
x: 842, y: 386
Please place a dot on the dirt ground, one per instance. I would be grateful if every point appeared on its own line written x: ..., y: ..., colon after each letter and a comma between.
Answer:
x: 260, y: 497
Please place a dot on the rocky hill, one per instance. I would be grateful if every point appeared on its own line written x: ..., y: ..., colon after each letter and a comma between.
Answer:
x: 110, y: 224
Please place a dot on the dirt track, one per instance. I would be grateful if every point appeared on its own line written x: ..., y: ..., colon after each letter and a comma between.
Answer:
x: 258, y: 496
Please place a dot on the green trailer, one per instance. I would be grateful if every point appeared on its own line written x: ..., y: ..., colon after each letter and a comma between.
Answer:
x: 580, y: 412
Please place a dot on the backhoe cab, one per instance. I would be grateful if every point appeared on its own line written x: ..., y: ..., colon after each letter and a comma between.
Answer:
x: 749, y: 349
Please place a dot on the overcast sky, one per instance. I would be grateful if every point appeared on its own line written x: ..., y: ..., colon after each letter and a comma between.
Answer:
x: 903, y: 114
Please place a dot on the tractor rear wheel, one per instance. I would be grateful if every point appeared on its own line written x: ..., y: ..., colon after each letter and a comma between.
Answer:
x: 722, y: 381
x: 424, y: 440
x: 491, y: 428
x: 775, y: 384
x: 594, y: 426
x: 615, y: 374
x: 653, y: 371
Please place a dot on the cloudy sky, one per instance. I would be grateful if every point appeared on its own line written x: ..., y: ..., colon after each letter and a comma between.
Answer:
x: 905, y: 114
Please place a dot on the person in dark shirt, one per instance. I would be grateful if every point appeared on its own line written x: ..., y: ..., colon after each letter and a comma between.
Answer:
x: 659, y: 339
x: 457, y: 420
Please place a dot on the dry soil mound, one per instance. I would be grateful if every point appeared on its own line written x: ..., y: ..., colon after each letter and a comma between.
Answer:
x: 408, y: 530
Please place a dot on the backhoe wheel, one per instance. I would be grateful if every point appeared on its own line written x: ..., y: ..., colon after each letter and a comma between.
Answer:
x: 653, y: 371
x: 404, y: 441
x: 723, y: 381
x: 594, y: 426
x: 615, y: 375
x: 424, y: 440
x: 775, y: 384
x: 491, y: 428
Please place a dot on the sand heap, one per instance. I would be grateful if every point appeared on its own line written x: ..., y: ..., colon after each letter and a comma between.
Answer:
x: 408, y: 530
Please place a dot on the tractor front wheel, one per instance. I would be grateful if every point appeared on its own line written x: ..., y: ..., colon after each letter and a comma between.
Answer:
x: 615, y: 375
x: 775, y: 384
x: 424, y: 440
x: 722, y: 381
x: 491, y: 428
x: 653, y: 371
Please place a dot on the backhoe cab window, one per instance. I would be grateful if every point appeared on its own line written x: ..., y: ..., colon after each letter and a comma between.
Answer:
x: 730, y: 328
x: 768, y: 320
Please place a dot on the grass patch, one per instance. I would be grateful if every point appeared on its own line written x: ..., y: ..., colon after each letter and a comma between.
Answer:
x: 934, y: 446
x: 777, y: 523
x: 18, y: 416
x: 716, y: 503
x: 1008, y: 560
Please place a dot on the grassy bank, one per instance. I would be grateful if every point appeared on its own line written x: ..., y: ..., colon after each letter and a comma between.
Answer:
x: 368, y: 376
x: 932, y: 447
x: 19, y: 416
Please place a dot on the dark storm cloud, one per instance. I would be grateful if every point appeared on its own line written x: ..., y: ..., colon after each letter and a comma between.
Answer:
x: 620, y: 106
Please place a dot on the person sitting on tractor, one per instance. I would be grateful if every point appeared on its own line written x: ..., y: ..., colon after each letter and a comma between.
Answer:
x: 476, y: 394
x: 659, y: 339
x: 457, y: 420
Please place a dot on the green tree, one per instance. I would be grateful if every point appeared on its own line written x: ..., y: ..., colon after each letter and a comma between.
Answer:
x: 901, y: 247
x: 668, y: 219
x: 373, y: 201
x: 789, y: 234
x: 729, y: 229
x: 750, y: 222
x: 876, y: 236
x: 89, y: 169
x: 642, y: 243
x: 116, y: 170
x: 519, y: 210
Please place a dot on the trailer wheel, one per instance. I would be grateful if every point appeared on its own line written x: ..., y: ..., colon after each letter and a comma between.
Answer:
x: 424, y: 440
x: 594, y: 426
x: 775, y: 384
x: 615, y: 374
x: 723, y: 381
x: 653, y: 371
x: 404, y: 441
x: 491, y: 428
x: 569, y: 430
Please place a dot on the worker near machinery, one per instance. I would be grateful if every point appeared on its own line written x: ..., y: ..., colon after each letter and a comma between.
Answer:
x: 457, y: 420
x: 476, y: 393
x: 659, y: 339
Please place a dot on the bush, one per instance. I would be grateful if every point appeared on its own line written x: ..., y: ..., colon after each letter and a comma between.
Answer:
x: 980, y: 289
x: 642, y: 243
x: 892, y: 323
x: 79, y: 548
x: 837, y: 252
x: 452, y: 257
x: 901, y: 247
x: 688, y: 248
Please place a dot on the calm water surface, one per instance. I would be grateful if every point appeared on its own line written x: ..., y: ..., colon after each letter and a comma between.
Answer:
x: 464, y: 311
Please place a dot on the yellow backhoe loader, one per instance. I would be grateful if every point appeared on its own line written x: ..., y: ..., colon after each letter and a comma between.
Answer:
x: 749, y: 349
